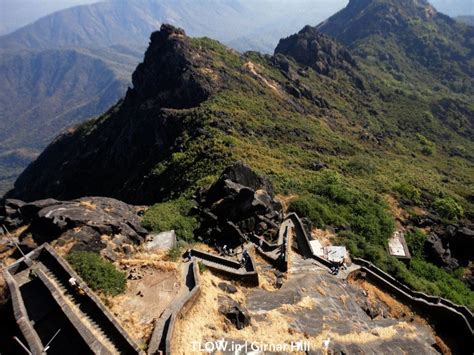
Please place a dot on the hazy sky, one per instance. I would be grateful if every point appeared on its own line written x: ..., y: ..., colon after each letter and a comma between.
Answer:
x: 17, y: 13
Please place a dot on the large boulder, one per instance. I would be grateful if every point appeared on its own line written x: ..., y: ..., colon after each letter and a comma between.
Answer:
x: 240, y: 202
x: 237, y: 314
x: 84, y: 220
x: 462, y: 244
x: 241, y: 175
x: 438, y: 252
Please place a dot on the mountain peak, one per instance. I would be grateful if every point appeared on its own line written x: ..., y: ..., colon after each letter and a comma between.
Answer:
x: 315, y: 49
x: 171, y: 74
x: 362, y: 18
x: 408, y: 36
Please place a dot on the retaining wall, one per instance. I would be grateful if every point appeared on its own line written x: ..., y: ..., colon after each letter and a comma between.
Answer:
x: 441, y: 311
x: 303, y: 241
x: 284, y: 240
x: 21, y: 315
x: 163, y: 333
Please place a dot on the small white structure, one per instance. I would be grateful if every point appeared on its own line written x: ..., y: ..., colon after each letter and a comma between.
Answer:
x: 335, y: 253
x: 160, y: 241
x: 397, y: 246
x: 317, y: 248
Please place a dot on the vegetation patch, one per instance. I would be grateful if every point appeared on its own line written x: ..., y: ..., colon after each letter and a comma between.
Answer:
x: 99, y: 274
x: 332, y: 202
x: 172, y: 215
x: 365, y: 225
x: 448, y: 208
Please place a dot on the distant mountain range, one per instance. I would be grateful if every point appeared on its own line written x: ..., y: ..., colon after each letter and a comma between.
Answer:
x: 74, y: 63
x: 468, y: 19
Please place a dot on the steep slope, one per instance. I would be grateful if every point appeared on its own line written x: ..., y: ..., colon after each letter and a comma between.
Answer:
x: 161, y: 139
x: 114, y: 153
x: 409, y: 39
x: 141, y: 149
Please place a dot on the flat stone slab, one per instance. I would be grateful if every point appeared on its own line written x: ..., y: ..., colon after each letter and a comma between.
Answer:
x: 160, y: 241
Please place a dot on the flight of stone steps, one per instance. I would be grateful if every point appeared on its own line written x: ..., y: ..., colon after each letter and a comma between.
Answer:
x: 74, y: 302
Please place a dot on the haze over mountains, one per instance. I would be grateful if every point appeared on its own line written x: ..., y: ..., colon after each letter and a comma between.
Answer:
x: 75, y: 63
x: 18, y: 13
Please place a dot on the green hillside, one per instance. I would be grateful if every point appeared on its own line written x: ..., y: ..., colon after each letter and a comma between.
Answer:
x: 338, y: 132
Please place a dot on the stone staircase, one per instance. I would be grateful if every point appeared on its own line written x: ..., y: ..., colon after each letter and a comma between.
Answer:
x: 230, y: 267
x: 218, y: 266
x: 74, y: 302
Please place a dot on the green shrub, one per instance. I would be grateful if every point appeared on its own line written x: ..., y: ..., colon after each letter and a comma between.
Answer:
x: 427, y: 150
x: 434, y: 280
x: 99, y: 274
x: 428, y: 147
x: 335, y: 203
x: 172, y: 215
x: 308, y: 206
x: 408, y: 192
x: 202, y: 267
x: 360, y: 165
x: 175, y: 253
x: 448, y: 208
x: 416, y: 242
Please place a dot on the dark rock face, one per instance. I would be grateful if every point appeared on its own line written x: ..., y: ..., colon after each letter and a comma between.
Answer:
x: 84, y: 220
x: 114, y: 154
x: 239, y: 203
x: 167, y: 75
x: 233, y: 311
x: 313, y: 48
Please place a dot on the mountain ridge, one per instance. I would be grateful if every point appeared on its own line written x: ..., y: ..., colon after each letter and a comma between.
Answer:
x: 117, y: 33
x: 409, y: 34
x: 361, y: 148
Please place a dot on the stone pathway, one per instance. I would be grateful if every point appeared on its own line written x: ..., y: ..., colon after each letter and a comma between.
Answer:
x: 329, y: 305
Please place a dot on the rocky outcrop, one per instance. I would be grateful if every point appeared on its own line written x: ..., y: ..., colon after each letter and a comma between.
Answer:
x: 168, y: 75
x: 448, y: 245
x: 316, y: 50
x: 84, y: 221
x: 115, y: 154
x: 237, y: 314
x: 238, y: 203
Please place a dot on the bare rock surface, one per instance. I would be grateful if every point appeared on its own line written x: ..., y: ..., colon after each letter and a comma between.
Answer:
x: 83, y: 220
x: 316, y: 303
